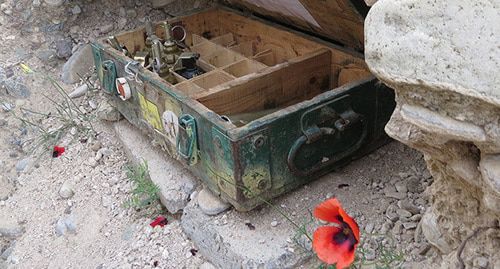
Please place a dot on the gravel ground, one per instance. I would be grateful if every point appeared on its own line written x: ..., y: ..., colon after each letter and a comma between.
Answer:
x: 68, y: 212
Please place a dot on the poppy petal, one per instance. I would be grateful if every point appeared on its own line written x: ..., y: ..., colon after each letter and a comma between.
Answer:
x: 57, y: 151
x: 351, y: 222
x: 328, y: 211
x: 330, y: 251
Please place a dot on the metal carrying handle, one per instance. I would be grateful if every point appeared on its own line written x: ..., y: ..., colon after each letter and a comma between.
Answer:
x: 188, y: 123
x: 314, y: 133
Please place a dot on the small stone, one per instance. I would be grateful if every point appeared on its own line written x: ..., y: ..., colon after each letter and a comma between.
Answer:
x: 274, y: 223
x: 422, y: 250
x: 22, y: 164
x: 161, y: 3
x: 370, y: 254
x: 121, y: 23
x: 131, y: 13
x: 407, y: 205
x: 37, y: 3
x: 54, y: 3
x: 369, y: 227
x: 409, y: 225
x: 16, y: 88
x: 106, y: 201
x: 7, y: 252
x: 398, y: 226
x: 70, y: 224
x: 401, y: 187
x: 64, y: 48
x: 76, y: 10
x: 416, y: 217
x: 96, y: 146
x: 385, y: 227
x: 396, y: 195
x: 481, y: 263
x: 60, y: 227
x: 414, y: 185
x: 10, y: 229
x: 66, y: 190
x: 211, y: 204
x: 106, y: 28
x: 47, y: 56
x: 6, y: 106
x: 391, y: 214
x: 403, y: 213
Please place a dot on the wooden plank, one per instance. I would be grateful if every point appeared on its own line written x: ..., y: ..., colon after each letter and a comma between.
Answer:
x: 244, y: 67
x: 212, y: 79
x: 294, y: 81
x: 336, y: 19
x: 225, y: 40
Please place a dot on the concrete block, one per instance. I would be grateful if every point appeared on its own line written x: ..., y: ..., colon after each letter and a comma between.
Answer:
x: 176, y: 183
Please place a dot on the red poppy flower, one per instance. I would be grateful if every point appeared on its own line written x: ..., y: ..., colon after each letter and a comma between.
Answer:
x: 58, y: 151
x: 161, y: 220
x: 335, y: 244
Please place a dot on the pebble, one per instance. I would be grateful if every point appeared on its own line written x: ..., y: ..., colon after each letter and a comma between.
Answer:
x: 66, y: 190
x: 409, y: 225
x: 37, y: 3
x: 415, y: 185
x: 481, y: 262
x: 401, y: 187
x: 10, y: 229
x: 407, y: 205
x: 369, y: 227
x: 96, y: 146
x: 79, y: 91
x: 6, y: 106
x: 106, y: 201
x: 391, y: 214
x: 274, y: 223
x: 60, y: 227
x: 76, y: 10
x: 370, y: 254
x: 106, y: 28
x: 64, y: 48
x: 396, y: 230
x: 54, y: 3
x: 403, y: 213
x: 16, y: 87
x: 22, y: 164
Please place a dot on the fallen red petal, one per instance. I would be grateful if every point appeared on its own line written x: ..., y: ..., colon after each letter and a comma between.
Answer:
x: 57, y: 151
x: 161, y: 220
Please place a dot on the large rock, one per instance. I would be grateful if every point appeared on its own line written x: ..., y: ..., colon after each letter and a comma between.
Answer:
x: 79, y: 64
x: 442, y: 59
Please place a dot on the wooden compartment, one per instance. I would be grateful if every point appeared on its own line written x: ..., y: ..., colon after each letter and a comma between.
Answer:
x: 212, y: 79
x: 244, y: 67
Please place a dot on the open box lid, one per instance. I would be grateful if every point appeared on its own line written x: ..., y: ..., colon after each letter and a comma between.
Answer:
x: 338, y: 20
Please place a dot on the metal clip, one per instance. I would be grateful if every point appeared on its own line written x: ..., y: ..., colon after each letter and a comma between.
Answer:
x: 132, y: 69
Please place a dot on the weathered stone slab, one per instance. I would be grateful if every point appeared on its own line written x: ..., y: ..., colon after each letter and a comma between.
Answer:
x: 175, y: 182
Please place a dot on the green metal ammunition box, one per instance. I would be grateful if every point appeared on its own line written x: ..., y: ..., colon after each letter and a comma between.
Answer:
x: 285, y: 95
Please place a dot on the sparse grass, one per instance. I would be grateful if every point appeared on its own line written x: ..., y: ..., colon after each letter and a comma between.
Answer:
x: 145, y: 194
x: 64, y: 115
